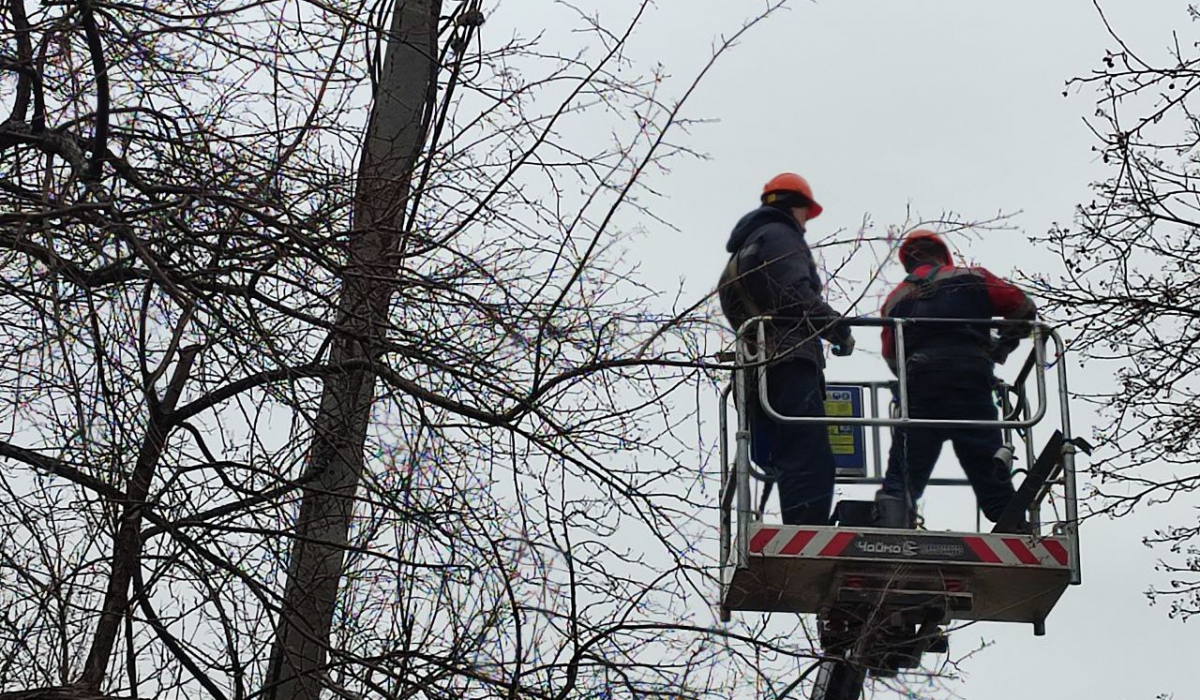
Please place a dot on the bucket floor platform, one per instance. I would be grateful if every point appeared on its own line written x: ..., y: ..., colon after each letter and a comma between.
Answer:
x: 974, y: 576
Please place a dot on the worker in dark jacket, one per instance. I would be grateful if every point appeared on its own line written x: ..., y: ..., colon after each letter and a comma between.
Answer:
x: 771, y: 272
x: 950, y: 371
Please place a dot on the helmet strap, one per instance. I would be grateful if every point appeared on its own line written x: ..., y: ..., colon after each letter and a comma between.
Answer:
x: 788, y: 200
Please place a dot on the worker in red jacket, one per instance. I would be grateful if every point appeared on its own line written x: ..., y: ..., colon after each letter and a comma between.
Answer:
x: 950, y: 370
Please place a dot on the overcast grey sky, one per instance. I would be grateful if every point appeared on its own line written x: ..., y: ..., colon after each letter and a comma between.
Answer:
x: 898, y: 111
x: 934, y: 106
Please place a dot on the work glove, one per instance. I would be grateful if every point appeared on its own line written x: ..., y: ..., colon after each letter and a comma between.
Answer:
x: 1000, y: 351
x: 845, y: 347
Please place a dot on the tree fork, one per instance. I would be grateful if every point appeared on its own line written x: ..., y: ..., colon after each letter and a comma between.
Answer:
x: 127, y: 546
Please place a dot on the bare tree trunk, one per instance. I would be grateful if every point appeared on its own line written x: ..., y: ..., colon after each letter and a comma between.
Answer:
x: 396, y: 133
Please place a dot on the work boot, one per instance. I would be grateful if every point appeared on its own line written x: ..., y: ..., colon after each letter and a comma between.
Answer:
x: 1023, y: 527
x: 891, y: 511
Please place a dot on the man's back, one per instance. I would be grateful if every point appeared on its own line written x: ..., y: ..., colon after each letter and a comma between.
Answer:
x: 945, y: 291
x: 771, y: 271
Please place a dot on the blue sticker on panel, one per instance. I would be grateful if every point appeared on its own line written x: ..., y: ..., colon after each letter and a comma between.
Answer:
x: 849, y: 447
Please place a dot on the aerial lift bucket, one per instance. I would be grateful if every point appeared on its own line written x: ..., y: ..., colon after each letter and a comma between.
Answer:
x: 882, y: 594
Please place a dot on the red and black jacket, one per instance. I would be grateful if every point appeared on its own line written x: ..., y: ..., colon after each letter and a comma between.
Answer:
x: 946, y: 291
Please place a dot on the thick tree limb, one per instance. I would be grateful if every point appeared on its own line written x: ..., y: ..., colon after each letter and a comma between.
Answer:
x: 100, y: 70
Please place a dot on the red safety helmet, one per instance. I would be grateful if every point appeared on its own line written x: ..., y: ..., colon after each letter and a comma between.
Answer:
x: 926, y: 236
x: 790, y: 183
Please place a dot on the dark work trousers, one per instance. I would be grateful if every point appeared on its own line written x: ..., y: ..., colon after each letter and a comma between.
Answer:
x: 950, y: 394
x: 797, y: 455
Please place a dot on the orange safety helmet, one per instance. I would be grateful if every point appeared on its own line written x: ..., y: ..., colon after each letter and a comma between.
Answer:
x: 786, y: 183
x: 919, y: 236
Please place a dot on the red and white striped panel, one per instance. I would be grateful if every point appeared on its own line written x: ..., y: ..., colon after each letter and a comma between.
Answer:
x: 1029, y: 551
x: 789, y: 541
x: 798, y: 542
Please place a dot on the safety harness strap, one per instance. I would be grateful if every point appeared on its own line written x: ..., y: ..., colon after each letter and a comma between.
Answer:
x: 923, y: 283
x: 735, y: 280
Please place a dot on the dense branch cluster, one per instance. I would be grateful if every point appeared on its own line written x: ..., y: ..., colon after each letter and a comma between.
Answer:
x: 1130, y: 296
x: 178, y: 221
